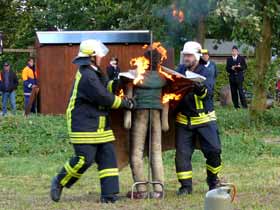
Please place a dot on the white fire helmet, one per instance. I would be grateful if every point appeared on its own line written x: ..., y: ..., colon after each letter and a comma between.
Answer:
x: 92, y: 47
x: 193, y: 48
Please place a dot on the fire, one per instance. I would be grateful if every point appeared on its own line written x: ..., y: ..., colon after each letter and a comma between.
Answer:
x: 121, y: 93
x: 161, y: 50
x: 142, y: 65
x: 178, y: 14
x: 181, y: 16
x: 165, y: 74
x: 170, y: 96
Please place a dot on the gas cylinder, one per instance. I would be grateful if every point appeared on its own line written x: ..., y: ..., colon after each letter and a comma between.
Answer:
x: 220, y: 198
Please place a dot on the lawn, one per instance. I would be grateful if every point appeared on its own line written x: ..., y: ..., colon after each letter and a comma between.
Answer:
x: 32, y: 150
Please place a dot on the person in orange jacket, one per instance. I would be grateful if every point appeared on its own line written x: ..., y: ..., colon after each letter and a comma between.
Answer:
x: 29, y: 77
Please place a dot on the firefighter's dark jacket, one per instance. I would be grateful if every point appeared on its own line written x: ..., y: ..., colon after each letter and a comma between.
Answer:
x: 195, y: 108
x: 88, y: 109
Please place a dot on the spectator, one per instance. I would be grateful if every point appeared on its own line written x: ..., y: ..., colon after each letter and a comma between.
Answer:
x: 212, y: 70
x: 236, y: 65
x: 29, y: 77
x: 113, y: 69
x: 9, y: 83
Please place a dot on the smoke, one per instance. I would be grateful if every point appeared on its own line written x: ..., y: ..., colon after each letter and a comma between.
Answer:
x: 182, y: 19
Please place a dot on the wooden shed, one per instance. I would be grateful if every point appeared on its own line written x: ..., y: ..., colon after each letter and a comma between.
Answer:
x: 56, y: 50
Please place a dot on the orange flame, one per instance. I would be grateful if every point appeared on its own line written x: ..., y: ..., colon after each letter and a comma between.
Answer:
x: 142, y: 65
x: 121, y: 93
x: 165, y: 74
x: 170, y: 96
x: 178, y: 14
x: 181, y: 16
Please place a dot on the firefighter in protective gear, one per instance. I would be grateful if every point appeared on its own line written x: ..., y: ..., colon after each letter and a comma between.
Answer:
x: 192, y: 120
x: 88, y: 125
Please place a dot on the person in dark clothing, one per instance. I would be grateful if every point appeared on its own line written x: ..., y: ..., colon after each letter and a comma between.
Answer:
x: 113, y: 69
x: 236, y: 65
x: 9, y: 83
x: 89, y: 125
x: 192, y: 120
x: 213, y: 73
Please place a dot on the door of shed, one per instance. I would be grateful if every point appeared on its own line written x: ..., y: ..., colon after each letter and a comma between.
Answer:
x: 56, y: 50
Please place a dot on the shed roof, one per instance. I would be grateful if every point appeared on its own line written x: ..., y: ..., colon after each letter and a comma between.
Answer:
x: 76, y: 37
x: 222, y: 48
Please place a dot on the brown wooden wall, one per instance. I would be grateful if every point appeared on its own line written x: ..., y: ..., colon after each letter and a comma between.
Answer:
x: 56, y: 71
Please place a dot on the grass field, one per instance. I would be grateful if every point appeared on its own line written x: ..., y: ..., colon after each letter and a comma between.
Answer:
x: 32, y: 150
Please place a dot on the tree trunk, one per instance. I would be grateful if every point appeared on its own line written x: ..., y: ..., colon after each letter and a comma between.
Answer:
x: 263, y: 57
x: 201, y: 30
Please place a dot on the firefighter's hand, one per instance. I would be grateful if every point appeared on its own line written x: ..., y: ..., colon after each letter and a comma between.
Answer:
x: 128, y: 103
x: 199, y: 88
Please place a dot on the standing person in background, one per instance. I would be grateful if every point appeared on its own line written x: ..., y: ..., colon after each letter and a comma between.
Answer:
x: 29, y: 77
x: 213, y: 73
x: 113, y: 69
x: 9, y: 83
x: 236, y: 65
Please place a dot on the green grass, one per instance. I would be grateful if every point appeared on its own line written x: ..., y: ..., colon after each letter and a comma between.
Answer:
x: 32, y: 150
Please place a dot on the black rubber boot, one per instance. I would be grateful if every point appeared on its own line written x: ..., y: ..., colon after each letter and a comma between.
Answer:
x: 109, y: 198
x: 56, y: 190
x: 213, y: 182
x: 184, y: 190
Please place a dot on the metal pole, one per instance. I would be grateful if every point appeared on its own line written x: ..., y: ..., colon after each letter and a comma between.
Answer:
x: 150, y: 129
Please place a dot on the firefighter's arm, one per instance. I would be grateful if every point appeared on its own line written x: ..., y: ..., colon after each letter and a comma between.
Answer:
x: 97, y: 93
x: 112, y: 86
x: 200, y: 89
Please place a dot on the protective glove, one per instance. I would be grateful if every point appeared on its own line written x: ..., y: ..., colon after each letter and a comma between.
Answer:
x: 128, y: 103
x: 199, y: 88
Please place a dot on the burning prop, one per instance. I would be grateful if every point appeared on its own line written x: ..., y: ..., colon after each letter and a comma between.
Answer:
x: 170, y: 88
x: 178, y: 14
